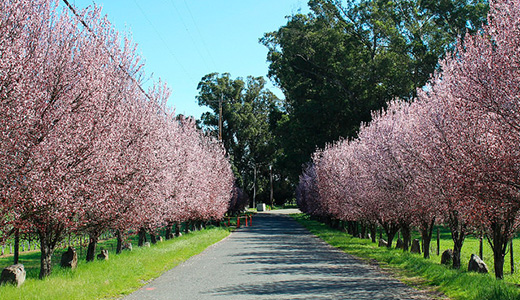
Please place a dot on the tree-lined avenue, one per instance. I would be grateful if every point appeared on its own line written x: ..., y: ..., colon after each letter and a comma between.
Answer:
x: 276, y: 258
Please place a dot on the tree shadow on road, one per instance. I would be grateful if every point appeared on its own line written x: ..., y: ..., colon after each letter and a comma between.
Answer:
x: 297, y: 265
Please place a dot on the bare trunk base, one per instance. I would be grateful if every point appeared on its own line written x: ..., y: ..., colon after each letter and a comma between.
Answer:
x: 119, y: 247
x: 142, y: 237
x: 168, y: 235
x: 91, y: 250
x: 391, y: 230
x: 49, y: 237
x: 407, y: 234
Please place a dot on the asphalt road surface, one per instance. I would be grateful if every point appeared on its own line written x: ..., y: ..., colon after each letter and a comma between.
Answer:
x: 276, y: 258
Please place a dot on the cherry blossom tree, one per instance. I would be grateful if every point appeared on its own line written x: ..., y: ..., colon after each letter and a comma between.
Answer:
x: 82, y: 147
x: 48, y: 96
x: 238, y: 202
x: 451, y: 155
x: 478, y: 91
x: 307, y: 195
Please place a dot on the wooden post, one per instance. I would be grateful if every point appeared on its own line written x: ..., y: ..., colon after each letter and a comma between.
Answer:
x: 16, y: 246
x: 438, y: 241
x: 480, y: 247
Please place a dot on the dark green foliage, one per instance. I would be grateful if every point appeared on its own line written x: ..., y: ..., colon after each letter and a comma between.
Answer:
x: 250, y: 111
x: 347, y: 58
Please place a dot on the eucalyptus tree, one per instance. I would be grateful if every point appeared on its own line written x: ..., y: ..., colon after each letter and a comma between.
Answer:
x: 347, y: 58
x: 249, y: 112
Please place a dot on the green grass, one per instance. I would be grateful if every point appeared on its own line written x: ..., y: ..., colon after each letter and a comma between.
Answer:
x: 284, y: 206
x: 118, y: 276
x: 425, y: 273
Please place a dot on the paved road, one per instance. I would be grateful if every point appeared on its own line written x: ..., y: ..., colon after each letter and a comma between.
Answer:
x: 274, y: 259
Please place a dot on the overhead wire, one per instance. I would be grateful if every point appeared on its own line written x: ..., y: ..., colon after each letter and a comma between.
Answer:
x: 134, y: 80
x: 200, y: 35
x: 73, y: 10
x: 163, y: 41
x: 189, y: 34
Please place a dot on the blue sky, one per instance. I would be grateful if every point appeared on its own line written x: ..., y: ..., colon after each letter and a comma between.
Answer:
x: 183, y: 40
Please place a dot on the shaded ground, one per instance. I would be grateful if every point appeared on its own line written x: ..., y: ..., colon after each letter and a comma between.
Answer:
x: 274, y: 259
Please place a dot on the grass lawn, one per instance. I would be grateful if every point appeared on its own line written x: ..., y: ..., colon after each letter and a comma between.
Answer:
x: 428, y: 273
x: 118, y: 276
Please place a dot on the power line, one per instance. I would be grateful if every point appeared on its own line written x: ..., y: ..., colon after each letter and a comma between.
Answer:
x: 163, y: 41
x: 200, y: 35
x: 71, y: 8
x: 189, y: 34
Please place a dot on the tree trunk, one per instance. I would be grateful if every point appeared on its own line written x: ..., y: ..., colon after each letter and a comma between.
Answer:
x: 48, y: 240
x: 16, y: 246
x: 499, y: 245
x: 426, y: 235
x: 177, y: 229
x: 391, y: 230
x: 499, y: 264
x: 142, y: 237
x: 337, y: 224
x: 169, y: 229
x: 350, y: 228
x: 355, y: 227
x: 119, y: 247
x: 187, y: 227
x: 153, y: 238
x: 363, y: 230
x: 46, y: 255
x: 457, y: 247
x: 92, y: 244
x: 458, y: 234
x: 373, y: 232
x: 406, y: 230
x: 512, y: 257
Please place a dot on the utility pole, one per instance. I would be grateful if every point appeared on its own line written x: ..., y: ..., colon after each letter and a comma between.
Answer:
x: 254, y: 186
x: 271, y: 183
x: 220, y: 117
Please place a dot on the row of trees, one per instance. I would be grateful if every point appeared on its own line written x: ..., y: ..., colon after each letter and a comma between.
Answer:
x: 449, y: 157
x: 82, y: 147
x: 347, y: 58
x: 334, y: 65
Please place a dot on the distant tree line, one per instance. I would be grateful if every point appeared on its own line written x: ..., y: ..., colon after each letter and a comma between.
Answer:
x: 335, y: 65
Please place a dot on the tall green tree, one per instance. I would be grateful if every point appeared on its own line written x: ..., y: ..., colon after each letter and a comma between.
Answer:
x: 249, y: 112
x: 347, y: 58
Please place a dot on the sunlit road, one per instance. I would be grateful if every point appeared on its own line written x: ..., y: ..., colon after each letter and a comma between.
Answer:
x: 276, y: 258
